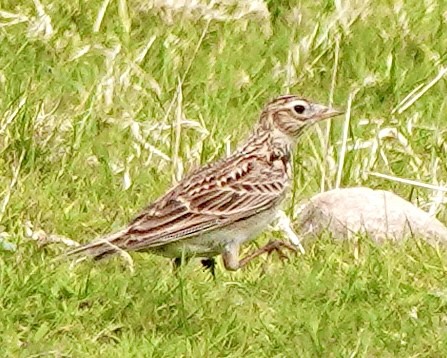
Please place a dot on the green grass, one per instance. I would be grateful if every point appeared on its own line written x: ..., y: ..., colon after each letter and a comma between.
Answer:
x: 72, y: 103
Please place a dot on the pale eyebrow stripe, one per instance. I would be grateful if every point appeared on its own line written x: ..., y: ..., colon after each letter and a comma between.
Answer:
x: 298, y: 102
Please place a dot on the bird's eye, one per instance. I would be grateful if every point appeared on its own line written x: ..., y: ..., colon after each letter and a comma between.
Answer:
x: 299, y: 109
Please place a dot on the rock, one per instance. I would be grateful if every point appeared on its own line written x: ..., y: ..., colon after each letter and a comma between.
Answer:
x: 379, y: 214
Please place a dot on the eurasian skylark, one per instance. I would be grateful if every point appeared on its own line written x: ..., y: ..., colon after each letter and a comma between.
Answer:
x: 222, y: 205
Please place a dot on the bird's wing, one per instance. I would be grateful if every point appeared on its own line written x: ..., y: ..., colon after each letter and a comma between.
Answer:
x: 216, y: 196
x: 208, y: 200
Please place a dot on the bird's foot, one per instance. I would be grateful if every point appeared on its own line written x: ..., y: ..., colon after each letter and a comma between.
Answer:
x: 209, y: 264
x: 276, y: 245
x: 279, y: 247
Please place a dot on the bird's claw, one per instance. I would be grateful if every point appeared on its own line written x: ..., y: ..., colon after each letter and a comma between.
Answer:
x: 279, y: 246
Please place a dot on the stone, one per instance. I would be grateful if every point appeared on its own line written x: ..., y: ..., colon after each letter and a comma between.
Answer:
x: 380, y: 214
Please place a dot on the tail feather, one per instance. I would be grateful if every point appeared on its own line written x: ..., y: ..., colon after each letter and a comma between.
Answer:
x: 101, y: 247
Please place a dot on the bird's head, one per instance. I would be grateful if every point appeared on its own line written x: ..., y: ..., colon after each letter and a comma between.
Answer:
x: 290, y: 115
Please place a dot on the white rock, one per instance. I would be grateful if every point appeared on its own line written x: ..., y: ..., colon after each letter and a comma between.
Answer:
x: 378, y: 213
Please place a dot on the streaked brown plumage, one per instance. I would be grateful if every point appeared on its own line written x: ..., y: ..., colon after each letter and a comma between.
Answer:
x: 218, y: 207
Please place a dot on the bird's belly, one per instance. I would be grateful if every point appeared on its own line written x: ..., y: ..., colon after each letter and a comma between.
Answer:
x: 214, y: 242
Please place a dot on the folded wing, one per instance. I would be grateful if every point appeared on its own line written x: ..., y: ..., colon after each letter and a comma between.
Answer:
x: 207, y: 200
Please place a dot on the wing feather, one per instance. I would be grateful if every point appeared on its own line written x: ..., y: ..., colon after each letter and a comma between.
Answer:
x: 227, y: 192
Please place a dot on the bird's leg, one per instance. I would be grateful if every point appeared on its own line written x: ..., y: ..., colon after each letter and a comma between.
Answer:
x: 178, y: 262
x: 232, y: 262
x: 210, y: 264
x: 231, y: 258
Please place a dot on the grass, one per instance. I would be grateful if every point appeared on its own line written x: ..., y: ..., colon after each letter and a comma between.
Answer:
x: 104, y: 104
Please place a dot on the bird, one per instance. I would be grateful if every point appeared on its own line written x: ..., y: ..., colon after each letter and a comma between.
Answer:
x: 222, y: 205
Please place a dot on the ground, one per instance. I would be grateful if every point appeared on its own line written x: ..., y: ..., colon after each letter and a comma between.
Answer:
x: 104, y: 104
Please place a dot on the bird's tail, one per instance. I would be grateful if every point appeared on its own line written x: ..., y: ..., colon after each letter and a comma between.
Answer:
x: 100, y: 247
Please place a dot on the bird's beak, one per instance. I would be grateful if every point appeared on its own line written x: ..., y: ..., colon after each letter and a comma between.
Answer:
x: 323, y: 112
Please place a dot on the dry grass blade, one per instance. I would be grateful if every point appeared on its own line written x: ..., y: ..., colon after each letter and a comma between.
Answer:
x: 124, y: 15
x: 344, y: 142
x: 177, y: 165
x: 324, y: 139
x: 409, y: 101
x: 11, y: 115
x: 409, y: 182
x: 12, y: 19
x: 12, y: 184
x: 100, y: 16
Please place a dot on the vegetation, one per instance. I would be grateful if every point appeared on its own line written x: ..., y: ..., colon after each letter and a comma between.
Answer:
x: 105, y: 103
